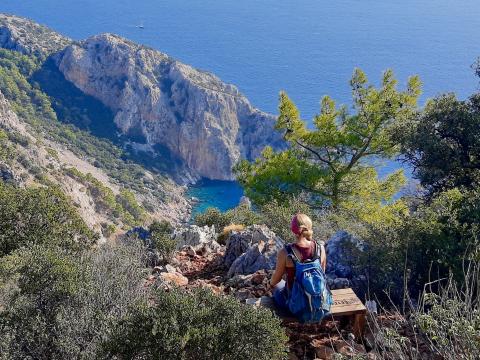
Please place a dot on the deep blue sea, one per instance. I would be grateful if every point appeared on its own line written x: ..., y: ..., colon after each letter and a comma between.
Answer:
x: 307, y: 47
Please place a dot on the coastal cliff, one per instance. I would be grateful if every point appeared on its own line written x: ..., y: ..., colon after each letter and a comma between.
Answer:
x: 158, y: 102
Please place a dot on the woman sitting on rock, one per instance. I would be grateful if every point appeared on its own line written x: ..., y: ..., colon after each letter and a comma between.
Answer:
x: 303, y: 263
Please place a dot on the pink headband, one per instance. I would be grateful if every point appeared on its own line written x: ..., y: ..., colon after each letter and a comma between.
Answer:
x: 294, y: 226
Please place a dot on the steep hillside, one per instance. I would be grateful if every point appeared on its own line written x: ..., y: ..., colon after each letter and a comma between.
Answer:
x: 38, y: 150
x: 28, y: 37
x: 158, y: 104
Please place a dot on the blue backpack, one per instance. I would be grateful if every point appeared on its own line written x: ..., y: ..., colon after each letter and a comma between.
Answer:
x: 310, y: 299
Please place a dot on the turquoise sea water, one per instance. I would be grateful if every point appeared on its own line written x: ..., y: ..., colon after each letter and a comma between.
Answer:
x: 308, y: 48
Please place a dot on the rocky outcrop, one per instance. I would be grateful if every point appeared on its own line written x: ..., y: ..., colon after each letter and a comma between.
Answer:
x: 202, y: 121
x: 342, y: 255
x: 194, y: 235
x: 196, y: 238
x: 28, y: 37
x: 252, y: 249
x: 8, y: 176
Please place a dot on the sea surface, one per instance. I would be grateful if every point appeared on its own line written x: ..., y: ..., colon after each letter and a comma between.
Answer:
x: 307, y: 47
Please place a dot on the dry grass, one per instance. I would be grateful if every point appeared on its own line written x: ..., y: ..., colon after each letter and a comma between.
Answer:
x: 227, y: 230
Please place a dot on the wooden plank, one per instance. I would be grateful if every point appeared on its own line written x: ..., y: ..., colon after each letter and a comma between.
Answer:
x: 346, y: 302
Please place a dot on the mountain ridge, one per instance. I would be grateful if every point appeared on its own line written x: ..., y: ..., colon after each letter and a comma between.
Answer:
x: 156, y: 100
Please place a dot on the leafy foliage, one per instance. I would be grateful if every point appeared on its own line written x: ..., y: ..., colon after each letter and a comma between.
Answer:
x: 443, y: 143
x: 240, y: 215
x: 161, y: 237
x: 62, y: 306
x: 451, y: 318
x: 47, y: 279
x: 212, y: 216
x: 40, y: 216
x: 330, y: 163
x: 278, y: 216
x: 198, y: 325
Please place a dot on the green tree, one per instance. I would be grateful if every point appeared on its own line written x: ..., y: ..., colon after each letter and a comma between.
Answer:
x: 443, y: 143
x: 332, y: 162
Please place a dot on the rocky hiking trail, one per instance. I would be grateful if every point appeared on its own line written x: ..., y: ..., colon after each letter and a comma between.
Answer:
x: 243, y: 268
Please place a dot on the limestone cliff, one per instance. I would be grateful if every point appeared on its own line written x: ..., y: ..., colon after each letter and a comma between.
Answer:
x: 158, y: 101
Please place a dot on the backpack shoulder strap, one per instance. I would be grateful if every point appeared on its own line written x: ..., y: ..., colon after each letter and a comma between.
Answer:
x: 318, y: 250
x: 291, y: 253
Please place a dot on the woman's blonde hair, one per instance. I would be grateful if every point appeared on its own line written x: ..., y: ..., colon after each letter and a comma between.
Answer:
x: 305, y: 225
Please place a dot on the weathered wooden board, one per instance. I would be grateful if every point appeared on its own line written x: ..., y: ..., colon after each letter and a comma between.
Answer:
x: 346, y: 302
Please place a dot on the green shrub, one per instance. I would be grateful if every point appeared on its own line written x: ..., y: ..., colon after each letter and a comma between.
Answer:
x: 162, y: 241
x: 198, y: 325
x: 212, y: 216
x: 444, y: 325
x: 55, y: 305
x: 46, y: 281
x: 128, y: 202
x: 40, y: 216
x: 240, y: 215
x: 450, y: 319
x: 243, y: 215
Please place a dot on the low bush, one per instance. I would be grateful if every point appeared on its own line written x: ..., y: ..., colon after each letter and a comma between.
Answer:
x: 54, y: 305
x: 241, y: 215
x: 162, y: 241
x: 40, y: 216
x: 198, y: 325
x: 212, y: 216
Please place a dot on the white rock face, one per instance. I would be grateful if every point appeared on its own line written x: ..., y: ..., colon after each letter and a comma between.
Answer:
x: 202, y: 121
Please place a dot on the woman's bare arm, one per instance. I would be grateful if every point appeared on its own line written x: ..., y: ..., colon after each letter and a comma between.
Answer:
x: 323, y: 258
x: 280, y: 268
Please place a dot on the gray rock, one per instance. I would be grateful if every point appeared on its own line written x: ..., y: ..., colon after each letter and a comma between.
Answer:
x: 194, y: 235
x: 239, y: 242
x: 28, y: 37
x: 245, y: 201
x: 238, y: 281
x: 199, y: 239
x: 243, y: 294
x: 261, y: 254
x: 340, y: 250
x: 7, y: 175
x: 341, y: 283
x: 189, y: 250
